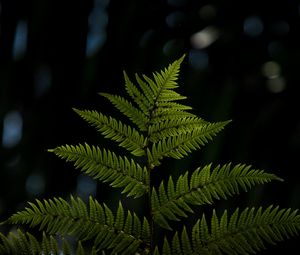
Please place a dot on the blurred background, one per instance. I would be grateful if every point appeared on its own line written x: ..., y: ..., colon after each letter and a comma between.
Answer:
x: 242, y: 64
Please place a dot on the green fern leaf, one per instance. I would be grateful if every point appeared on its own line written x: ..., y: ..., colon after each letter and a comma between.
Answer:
x: 124, y: 106
x: 97, y: 222
x: 165, y: 114
x: 157, y: 92
x: 174, y: 127
x: 106, y: 166
x: 172, y: 105
x: 182, y: 144
x: 168, y: 96
x: 140, y: 99
x: 146, y: 90
x: 252, y: 228
x: 126, y: 136
x: 203, y: 187
x: 164, y: 80
x: 241, y: 233
x: 19, y: 242
x: 80, y: 250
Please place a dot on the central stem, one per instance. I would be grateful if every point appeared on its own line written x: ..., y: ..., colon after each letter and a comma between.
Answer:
x: 150, y: 213
x: 149, y: 167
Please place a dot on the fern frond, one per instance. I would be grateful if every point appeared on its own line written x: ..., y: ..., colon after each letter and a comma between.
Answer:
x: 123, y: 233
x: 166, y: 114
x: 140, y: 99
x: 203, y: 187
x: 124, y: 106
x: 179, y: 146
x: 174, y: 127
x: 127, y: 137
x: 168, y: 95
x: 146, y: 90
x: 241, y: 233
x: 106, y: 166
x: 158, y: 92
x: 173, y: 105
x: 164, y: 80
x: 19, y: 242
x: 246, y: 232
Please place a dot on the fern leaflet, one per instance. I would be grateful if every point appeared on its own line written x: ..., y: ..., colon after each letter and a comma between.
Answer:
x: 109, y: 127
x: 174, y: 127
x: 122, y: 234
x: 140, y: 99
x: 165, y: 81
x: 182, y: 144
x: 124, y: 106
x: 19, y: 242
x: 204, y: 185
x: 241, y: 233
x: 106, y: 166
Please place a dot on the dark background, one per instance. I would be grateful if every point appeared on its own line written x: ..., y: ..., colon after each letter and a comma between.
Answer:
x: 242, y: 64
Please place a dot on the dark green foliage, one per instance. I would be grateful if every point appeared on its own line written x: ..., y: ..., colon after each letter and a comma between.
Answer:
x: 163, y: 128
x: 124, y: 233
x: 106, y: 166
x: 205, y: 185
x: 242, y: 233
x: 19, y: 242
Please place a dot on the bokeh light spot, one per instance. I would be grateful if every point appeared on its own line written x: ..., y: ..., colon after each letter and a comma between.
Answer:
x: 35, y: 184
x: 98, y: 20
x: 253, y: 26
x: 198, y: 59
x: 205, y: 37
x: 12, y: 129
x: 20, y: 40
x: 276, y: 85
x: 42, y: 80
x: 86, y: 186
x: 271, y: 69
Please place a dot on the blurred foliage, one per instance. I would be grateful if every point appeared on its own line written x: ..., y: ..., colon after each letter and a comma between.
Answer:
x: 242, y: 65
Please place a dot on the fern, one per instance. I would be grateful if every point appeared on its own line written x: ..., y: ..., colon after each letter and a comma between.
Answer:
x: 204, y: 186
x: 18, y: 242
x: 163, y: 128
x: 183, y: 143
x: 123, y: 233
x: 106, y: 166
x: 242, y: 233
x: 128, y: 137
